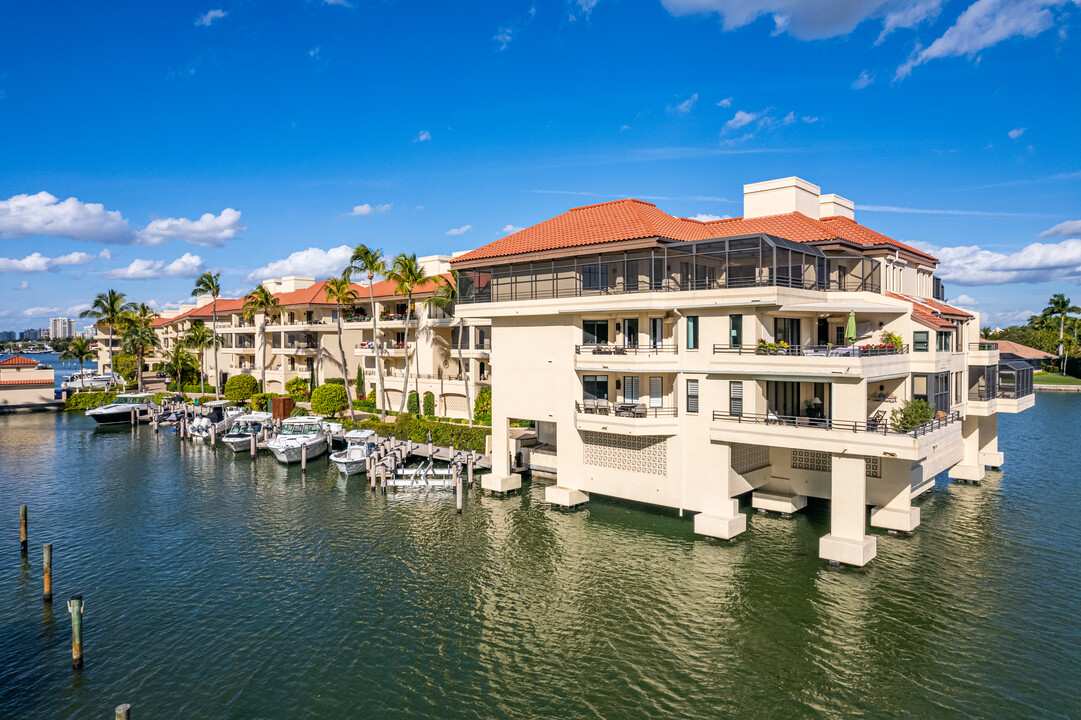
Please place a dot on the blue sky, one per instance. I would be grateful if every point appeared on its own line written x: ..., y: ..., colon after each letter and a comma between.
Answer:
x: 142, y: 143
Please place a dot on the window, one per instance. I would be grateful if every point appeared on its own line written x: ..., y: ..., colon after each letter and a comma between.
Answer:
x: 735, y: 330
x: 957, y: 386
x: 786, y: 330
x: 595, y: 277
x: 692, y: 396
x: 482, y: 340
x: 920, y: 341
x: 656, y: 332
x: 935, y: 389
x: 631, y: 281
x: 692, y: 333
x: 595, y: 387
x: 630, y: 389
x: 944, y: 341
x: 655, y: 396
x: 735, y: 398
x: 630, y: 332
x: 594, y: 332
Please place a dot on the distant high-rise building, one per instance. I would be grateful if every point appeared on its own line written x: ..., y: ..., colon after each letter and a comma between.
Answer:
x: 7, y: 335
x: 30, y: 334
x: 61, y: 328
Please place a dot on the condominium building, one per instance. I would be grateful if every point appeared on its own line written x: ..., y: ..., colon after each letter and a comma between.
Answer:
x: 695, y: 365
x: 61, y: 328
x: 301, y: 339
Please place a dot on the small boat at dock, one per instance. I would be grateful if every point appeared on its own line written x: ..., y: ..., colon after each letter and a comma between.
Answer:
x: 118, y: 412
x: 89, y: 379
x: 218, y: 415
x: 353, y: 459
x: 297, y: 434
x: 239, y: 436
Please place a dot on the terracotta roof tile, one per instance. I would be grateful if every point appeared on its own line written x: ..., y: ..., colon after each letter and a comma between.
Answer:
x: 43, y: 381
x: 18, y: 360
x: 926, y: 314
x: 1008, y: 347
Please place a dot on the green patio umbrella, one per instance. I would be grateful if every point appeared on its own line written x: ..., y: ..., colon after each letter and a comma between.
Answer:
x: 850, y: 328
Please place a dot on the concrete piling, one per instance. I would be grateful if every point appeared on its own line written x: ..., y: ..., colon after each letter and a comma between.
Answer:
x: 123, y: 712
x: 213, y: 435
x: 75, y: 607
x: 253, y: 444
x: 469, y: 469
x: 303, y: 458
x: 47, y: 571
x: 22, y: 528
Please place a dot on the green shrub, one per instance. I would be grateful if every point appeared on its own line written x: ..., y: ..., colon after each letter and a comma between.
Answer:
x: 482, y: 408
x: 328, y: 400
x: 124, y: 366
x: 412, y: 404
x: 911, y: 415
x: 86, y: 401
x: 190, y: 388
x: 360, y: 381
x: 297, y: 386
x: 371, y: 395
x: 298, y: 412
x: 429, y: 404
x: 261, y: 401
x: 415, y: 429
x: 336, y: 381
x: 241, y: 387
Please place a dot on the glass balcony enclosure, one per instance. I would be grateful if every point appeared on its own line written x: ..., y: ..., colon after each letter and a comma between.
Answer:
x: 737, y: 262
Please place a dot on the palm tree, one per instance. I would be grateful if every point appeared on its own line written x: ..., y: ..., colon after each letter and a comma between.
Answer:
x: 179, y: 362
x: 200, y: 338
x: 340, y: 292
x: 261, y: 301
x: 407, y: 275
x: 109, y: 308
x: 78, y: 350
x: 371, y: 263
x: 137, y: 336
x: 208, y: 284
x: 445, y: 298
x: 1060, y: 305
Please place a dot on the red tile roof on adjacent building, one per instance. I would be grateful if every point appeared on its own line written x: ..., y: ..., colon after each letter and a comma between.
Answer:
x: 924, y: 312
x: 1008, y: 347
x: 631, y: 219
x: 18, y: 360
x: 28, y: 381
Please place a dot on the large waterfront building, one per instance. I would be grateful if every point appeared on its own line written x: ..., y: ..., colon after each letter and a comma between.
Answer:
x: 24, y: 384
x: 301, y: 340
x: 693, y: 364
x: 61, y: 328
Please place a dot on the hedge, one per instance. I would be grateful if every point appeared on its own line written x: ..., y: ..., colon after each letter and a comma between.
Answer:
x: 329, y: 400
x: 482, y: 408
x: 190, y: 388
x: 429, y: 404
x: 297, y: 386
x: 412, y: 404
x: 335, y: 381
x: 415, y: 429
x: 241, y: 387
x: 85, y: 401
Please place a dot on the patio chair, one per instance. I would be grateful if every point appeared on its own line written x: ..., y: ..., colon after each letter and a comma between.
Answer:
x: 874, y: 423
x: 589, y: 406
x: 639, y: 410
x: 602, y: 407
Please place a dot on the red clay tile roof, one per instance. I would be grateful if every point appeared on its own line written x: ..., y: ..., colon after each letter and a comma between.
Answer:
x: 18, y: 360
x: 928, y: 314
x: 631, y: 219
x: 1022, y: 351
x: 946, y: 309
x: 42, y: 381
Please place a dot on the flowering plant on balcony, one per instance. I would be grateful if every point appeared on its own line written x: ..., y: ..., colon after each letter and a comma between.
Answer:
x: 877, y: 346
x: 768, y: 348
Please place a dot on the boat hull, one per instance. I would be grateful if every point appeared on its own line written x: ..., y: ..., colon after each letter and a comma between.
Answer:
x: 238, y: 443
x: 290, y: 454
x: 114, y: 417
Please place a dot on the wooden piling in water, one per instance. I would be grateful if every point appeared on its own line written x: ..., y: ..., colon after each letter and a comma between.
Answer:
x: 469, y: 468
x: 457, y: 484
x: 75, y: 607
x: 254, y: 441
x: 303, y: 457
x: 123, y: 712
x: 47, y: 571
x: 22, y: 528
x: 213, y: 435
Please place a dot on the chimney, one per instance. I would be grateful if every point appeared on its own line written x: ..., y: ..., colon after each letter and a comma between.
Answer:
x: 775, y: 197
x: 833, y: 204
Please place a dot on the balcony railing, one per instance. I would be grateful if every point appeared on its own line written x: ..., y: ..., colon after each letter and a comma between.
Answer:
x: 612, y: 349
x: 1013, y: 394
x: 811, y: 350
x: 982, y: 346
x: 872, y: 425
x: 983, y: 395
x: 631, y: 410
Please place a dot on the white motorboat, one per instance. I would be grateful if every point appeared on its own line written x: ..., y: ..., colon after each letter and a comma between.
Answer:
x: 118, y: 412
x: 359, y: 446
x: 297, y: 433
x: 218, y: 414
x: 244, y: 426
x: 89, y: 379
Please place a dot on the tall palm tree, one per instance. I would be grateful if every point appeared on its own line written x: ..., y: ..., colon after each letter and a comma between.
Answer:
x: 1060, y: 305
x: 261, y: 301
x: 208, y: 284
x: 178, y: 362
x: 78, y: 350
x: 200, y: 338
x: 137, y: 336
x: 108, y: 308
x: 445, y: 298
x: 407, y: 275
x: 340, y: 292
x: 371, y: 263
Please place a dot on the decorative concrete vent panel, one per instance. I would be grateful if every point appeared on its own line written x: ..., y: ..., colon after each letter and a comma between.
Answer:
x: 630, y: 453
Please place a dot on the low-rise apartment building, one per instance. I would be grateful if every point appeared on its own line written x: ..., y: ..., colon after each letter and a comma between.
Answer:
x: 25, y: 384
x: 690, y: 364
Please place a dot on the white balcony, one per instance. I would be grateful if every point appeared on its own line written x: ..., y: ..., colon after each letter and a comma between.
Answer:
x: 658, y: 358
x: 625, y: 418
x: 825, y: 361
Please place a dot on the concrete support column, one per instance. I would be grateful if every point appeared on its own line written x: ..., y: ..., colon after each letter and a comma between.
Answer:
x: 892, y: 494
x: 971, y: 467
x: 500, y: 446
x: 712, y: 491
x: 989, y: 454
x: 847, y: 541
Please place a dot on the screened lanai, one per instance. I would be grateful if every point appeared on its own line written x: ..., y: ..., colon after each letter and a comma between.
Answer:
x: 734, y: 262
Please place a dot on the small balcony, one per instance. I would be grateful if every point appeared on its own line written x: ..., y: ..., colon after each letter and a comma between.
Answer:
x: 829, y: 360
x: 625, y: 418
x: 607, y: 356
x: 983, y: 353
x: 389, y: 350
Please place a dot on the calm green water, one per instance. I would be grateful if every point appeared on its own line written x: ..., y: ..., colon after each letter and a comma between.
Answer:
x: 215, y: 588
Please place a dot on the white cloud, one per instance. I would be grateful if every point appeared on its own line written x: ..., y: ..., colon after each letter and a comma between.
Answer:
x: 740, y: 119
x: 503, y: 37
x: 314, y: 52
x: 909, y: 16
x: 964, y: 301
x: 1036, y: 262
x: 40, y: 310
x: 36, y: 262
x: 726, y: 102
x: 460, y: 231
x: 983, y: 24
x: 508, y: 229
x: 46, y: 215
x: 208, y: 231
x: 185, y: 266
x: 368, y: 209
x: 76, y: 309
x: 684, y: 107
x: 936, y: 211
x: 810, y: 119
x: 800, y: 18
x: 105, y: 254
x: 1064, y: 229
x: 423, y: 136
x: 314, y: 262
x: 863, y: 80
x: 24, y: 285
x: 209, y: 17
x: 339, y: 3
x: 707, y: 217
x: 1016, y: 133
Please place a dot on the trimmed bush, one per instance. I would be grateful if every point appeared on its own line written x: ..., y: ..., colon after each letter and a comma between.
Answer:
x: 124, y: 366
x: 412, y: 404
x: 328, y: 400
x: 86, y: 401
x: 408, y: 426
x: 429, y: 404
x: 297, y: 386
x: 336, y: 381
x: 261, y: 401
x: 360, y: 381
x: 911, y: 415
x: 482, y: 408
x: 241, y: 387
x: 189, y: 388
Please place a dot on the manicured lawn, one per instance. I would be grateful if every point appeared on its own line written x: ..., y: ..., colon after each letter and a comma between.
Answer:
x: 1049, y: 379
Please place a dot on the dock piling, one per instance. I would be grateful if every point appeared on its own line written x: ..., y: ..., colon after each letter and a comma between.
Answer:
x: 469, y: 469
x: 123, y: 712
x: 47, y: 571
x: 75, y: 607
x: 22, y: 528
x: 303, y: 457
x: 253, y: 443
x: 213, y: 435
